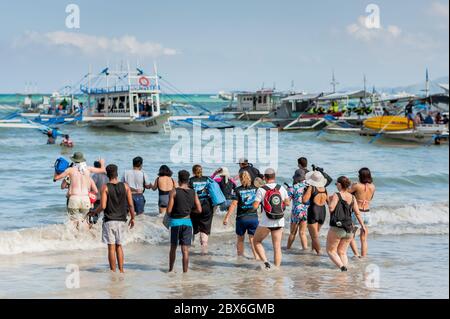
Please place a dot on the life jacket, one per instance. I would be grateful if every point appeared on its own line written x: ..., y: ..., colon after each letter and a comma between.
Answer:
x: 342, y: 216
x: 273, y: 203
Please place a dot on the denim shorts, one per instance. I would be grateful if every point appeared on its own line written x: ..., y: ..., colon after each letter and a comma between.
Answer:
x: 139, y: 203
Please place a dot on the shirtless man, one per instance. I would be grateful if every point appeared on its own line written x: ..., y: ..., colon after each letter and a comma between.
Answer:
x: 80, y: 184
x: 364, y: 192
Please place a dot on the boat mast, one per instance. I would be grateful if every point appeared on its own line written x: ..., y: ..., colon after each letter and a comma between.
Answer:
x: 130, y: 95
x: 158, y: 108
x: 89, y: 88
x: 365, y: 86
x: 427, y: 84
x: 334, y: 83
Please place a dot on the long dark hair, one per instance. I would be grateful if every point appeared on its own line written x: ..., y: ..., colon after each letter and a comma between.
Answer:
x: 365, y: 176
x: 164, y: 170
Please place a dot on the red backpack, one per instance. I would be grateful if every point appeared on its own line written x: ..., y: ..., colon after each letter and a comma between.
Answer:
x: 274, y: 205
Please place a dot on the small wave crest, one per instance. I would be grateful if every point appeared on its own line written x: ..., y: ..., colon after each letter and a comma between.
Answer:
x: 427, y: 219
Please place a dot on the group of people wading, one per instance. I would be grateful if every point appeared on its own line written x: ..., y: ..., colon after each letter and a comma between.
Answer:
x: 258, y: 201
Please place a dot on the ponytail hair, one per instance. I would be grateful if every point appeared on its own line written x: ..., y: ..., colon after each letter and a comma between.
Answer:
x: 345, y: 182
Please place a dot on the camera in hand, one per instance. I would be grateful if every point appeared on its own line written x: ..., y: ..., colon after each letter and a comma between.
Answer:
x: 317, y: 169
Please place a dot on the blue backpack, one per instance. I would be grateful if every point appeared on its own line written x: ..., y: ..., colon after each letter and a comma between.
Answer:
x: 61, y: 165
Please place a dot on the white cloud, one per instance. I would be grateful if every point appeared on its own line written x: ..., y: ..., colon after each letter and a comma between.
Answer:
x: 392, y: 35
x: 360, y: 31
x: 439, y: 9
x: 89, y: 44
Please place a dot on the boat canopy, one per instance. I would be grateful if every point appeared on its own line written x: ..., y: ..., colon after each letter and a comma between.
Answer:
x: 346, y: 95
x: 445, y: 87
x: 302, y: 97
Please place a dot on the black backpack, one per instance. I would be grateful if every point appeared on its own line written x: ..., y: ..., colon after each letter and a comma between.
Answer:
x: 342, y: 216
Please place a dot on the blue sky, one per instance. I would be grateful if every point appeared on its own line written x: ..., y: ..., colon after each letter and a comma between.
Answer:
x: 209, y: 45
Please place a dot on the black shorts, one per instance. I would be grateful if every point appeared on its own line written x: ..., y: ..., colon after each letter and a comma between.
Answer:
x: 181, y: 235
x: 203, y: 222
x: 317, y: 216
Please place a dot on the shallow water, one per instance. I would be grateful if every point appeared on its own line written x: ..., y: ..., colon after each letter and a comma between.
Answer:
x: 409, y: 235
x: 222, y: 275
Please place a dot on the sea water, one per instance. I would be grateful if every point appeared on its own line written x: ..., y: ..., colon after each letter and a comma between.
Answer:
x: 408, y: 254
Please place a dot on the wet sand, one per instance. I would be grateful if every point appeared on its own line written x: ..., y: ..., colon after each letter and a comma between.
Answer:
x: 422, y: 273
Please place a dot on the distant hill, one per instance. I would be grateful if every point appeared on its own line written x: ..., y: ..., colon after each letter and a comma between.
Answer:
x: 413, y: 88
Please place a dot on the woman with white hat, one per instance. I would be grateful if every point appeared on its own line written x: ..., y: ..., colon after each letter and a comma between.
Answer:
x: 317, y: 197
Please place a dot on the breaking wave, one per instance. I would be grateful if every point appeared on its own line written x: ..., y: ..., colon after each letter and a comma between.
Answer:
x: 427, y: 219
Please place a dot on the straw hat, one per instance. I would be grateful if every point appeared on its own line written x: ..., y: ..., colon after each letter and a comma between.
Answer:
x: 316, y: 179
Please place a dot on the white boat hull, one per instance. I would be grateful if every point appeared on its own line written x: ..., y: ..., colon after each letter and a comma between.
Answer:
x: 150, y: 125
x: 424, y: 134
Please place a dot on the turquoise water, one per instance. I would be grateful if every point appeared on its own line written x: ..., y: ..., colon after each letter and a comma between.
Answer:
x: 411, y: 204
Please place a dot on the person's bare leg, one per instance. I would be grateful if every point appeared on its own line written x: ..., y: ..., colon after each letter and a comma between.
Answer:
x: 354, y: 247
x: 314, y: 233
x: 204, y: 242
x: 172, y: 257
x: 120, y: 258
x: 240, y: 245
x: 261, y: 234
x: 277, y: 236
x: 292, y: 235
x: 185, y: 251
x: 112, y: 258
x: 364, y: 244
x: 332, y: 249
x: 252, y: 245
x: 342, y: 250
x: 162, y: 211
x: 303, y: 236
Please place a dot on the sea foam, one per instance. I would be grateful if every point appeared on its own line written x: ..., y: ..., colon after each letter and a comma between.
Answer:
x: 427, y: 219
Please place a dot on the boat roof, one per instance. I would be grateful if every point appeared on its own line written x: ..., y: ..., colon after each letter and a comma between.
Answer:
x: 346, y: 95
x: 302, y: 97
x: 264, y: 91
x: 445, y: 87
x: 123, y: 89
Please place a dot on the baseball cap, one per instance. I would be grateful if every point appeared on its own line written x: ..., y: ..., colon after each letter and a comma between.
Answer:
x: 243, y: 160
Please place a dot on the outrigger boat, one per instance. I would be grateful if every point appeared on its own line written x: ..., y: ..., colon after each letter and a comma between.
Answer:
x: 253, y: 106
x: 303, y: 112
x: 128, y: 100
x: 401, y: 128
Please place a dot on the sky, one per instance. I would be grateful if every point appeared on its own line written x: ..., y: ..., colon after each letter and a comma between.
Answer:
x: 205, y: 46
